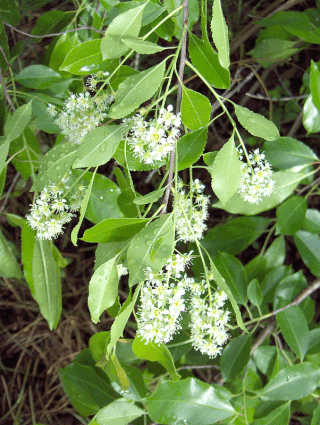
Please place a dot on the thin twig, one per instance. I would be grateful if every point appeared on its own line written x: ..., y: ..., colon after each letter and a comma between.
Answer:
x: 275, y: 99
x: 14, y: 181
x: 6, y: 94
x: 304, y: 189
x: 183, y: 55
x: 208, y: 366
x: 262, y: 336
x: 5, y: 57
x: 83, y: 27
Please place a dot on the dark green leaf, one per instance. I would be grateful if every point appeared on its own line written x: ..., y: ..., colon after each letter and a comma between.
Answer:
x: 52, y: 21
x: 308, y: 245
x: 314, y: 341
x: 28, y: 239
x: 37, y: 77
x: 106, y: 251
x: 290, y: 215
x: 254, y: 293
x: 235, y: 357
x: 190, y: 147
x: 316, y: 416
x: 9, y: 266
x: 9, y: 12
x: 281, y: 415
x: 150, y: 197
x: 276, y: 253
x: 114, y: 229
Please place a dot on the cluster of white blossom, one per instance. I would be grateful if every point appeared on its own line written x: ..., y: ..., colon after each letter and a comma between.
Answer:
x: 122, y: 270
x: 153, y: 140
x: 51, y: 211
x: 162, y: 300
x: 208, y: 323
x: 94, y: 79
x: 193, y: 204
x: 80, y: 114
x: 256, y: 178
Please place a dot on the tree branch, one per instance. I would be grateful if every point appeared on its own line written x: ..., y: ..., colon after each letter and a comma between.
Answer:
x: 6, y: 94
x: 83, y: 27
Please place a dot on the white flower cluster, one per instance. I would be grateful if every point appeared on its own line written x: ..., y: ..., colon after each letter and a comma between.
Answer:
x: 208, y: 323
x: 80, y: 114
x: 162, y: 300
x: 194, y: 204
x: 256, y: 179
x: 153, y: 140
x: 51, y: 211
x: 122, y: 270
x: 94, y: 79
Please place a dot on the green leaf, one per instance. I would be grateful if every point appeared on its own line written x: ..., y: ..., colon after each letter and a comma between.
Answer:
x: 226, y: 172
x: 235, y: 357
x: 294, y: 329
x: 312, y: 221
x: 137, y: 89
x: 219, y: 32
x: 106, y: 251
x: 195, y: 109
x: 190, y: 148
x: 316, y: 416
x: 87, y: 387
x: 28, y: 240
x: 315, y: 84
x: 116, y: 373
x: 126, y: 204
x: 63, y: 46
x: 150, y: 197
x: 83, y: 59
x: 37, y: 77
x: 314, y: 341
x: 103, y: 288
x: 276, y: 253
x: 232, y: 271
x: 285, y: 183
x: 293, y: 383
x: 287, y: 152
x: 119, y: 412
x: 4, y: 150
x: 98, y: 146
x: 126, y: 24
x: 9, y: 12
x: 9, y: 266
x: 17, y: 122
x: 281, y: 415
x: 55, y: 164
x: 151, y: 247
x: 83, y: 208
x: 3, y: 175
x: 115, y: 229
x: 235, y: 236
x: 290, y: 215
x: 142, y: 46
x: 52, y: 21
x: 271, y: 50
x: 311, y: 116
x: 308, y: 245
x: 254, y: 293
x: 190, y: 400
x: 206, y: 60
x: 256, y: 124
x: 155, y: 353
x: 46, y: 282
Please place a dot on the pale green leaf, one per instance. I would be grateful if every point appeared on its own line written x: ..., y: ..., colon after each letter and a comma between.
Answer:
x: 290, y: 215
x: 143, y: 47
x: 9, y: 266
x: 115, y: 229
x: 119, y: 412
x: 17, y: 122
x: 28, y: 239
x: 195, y: 109
x: 219, y: 32
x: 311, y: 116
x: 256, y: 124
x: 315, y: 84
x: 83, y: 59
x: 280, y: 415
x: 4, y: 150
x: 235, y: 357
x: 150, y: 197
x: 254, y: 293
x: 308, y: 245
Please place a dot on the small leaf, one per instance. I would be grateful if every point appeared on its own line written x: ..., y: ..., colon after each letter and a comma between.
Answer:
x: 219, y: 31
x: 98, y: 146
x: 142, y: 46
x: 235, y: 357
x: 17, y: 122
x: 150, y: 197
x: 256, y: 124
x: 119, y: 412
x: 83, y: 59
x: 190, y: 148
x: 103, y: 288
x: 254, y: 293
x: 114, y: 229
x: 226, y: 172
x: 195, y: 109
x: 308, y: 245
x: 294, y: 329
x: 291, y: 214
x: 155, y: 353
x: 136, y: 89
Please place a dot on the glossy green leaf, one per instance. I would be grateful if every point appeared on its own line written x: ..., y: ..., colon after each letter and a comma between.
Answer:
x: 98, y: 146
x: 190, y: 148
x: 166, y: 29
x: 83, y: 59
x: 232, y: 271
x: 287, y: 152
x: 52, y: 21
x: 256, y: 124
x: 87, y: 387
x: 281, y: 415
x: 103, y: 288
x: 235, y: 357
x: 293, y: 383
x: 17, y: 122
x: 55, y: 164
x: 308, y: 245
x: 276, y: 253
x: 219, y: 32
x: 226, y: 172
x: 311, y: 116
x: 37, y: 77
x: 126, y: 204
x: 46, y: 281
x: 151, y: 247
x: 188, y: 400
x: 150, y: 197
x: 155, y: 353
x: 114, y: 229
x: 106, y: 251
x: 195, y: 109
x: 315, y: 84
x: 119, y: 412
x: 254, y: 293
x: 294, y: 329
x: 291, y: 214
x: 63, y: 46
x: 137, y: 89
x: 83, y: 208
x: 127, y: 25
x: 9, y: 12
x: 9, y: 266
x: 316, y: 416
x: 285, y: 183
x: 143, y: 47
x: 311, y: 221
x: 206, y: 60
